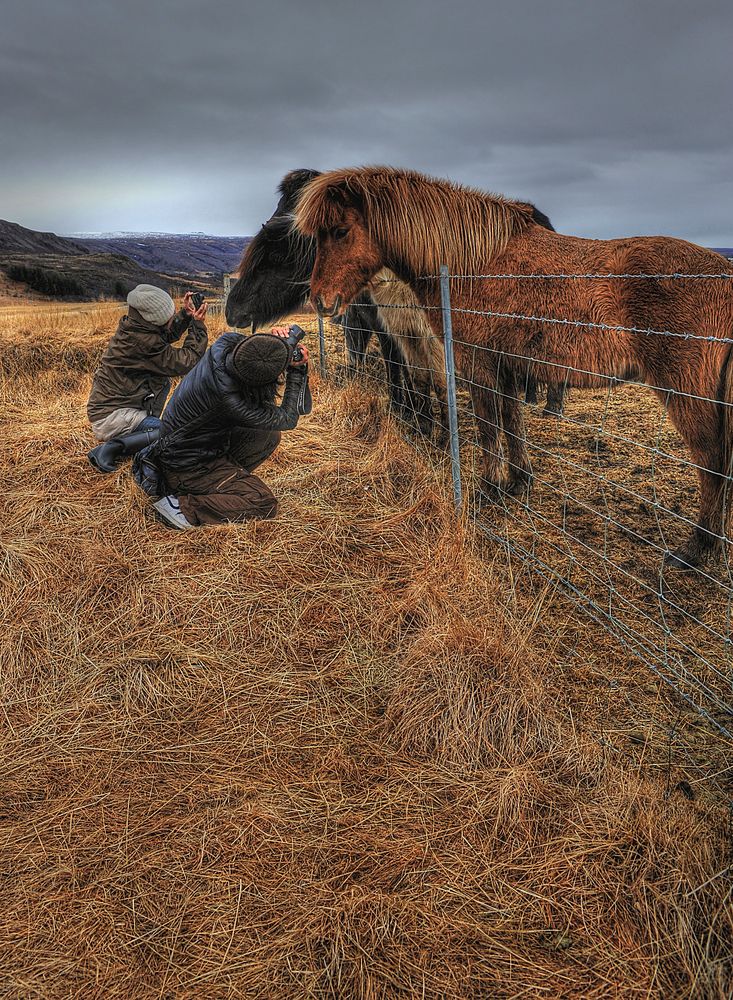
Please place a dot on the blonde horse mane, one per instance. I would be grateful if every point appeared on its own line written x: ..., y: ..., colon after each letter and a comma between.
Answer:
x: 404, y: 319
x: 418, y: 220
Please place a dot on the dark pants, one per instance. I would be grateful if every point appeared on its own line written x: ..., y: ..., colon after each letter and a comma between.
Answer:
x: 226, y: 490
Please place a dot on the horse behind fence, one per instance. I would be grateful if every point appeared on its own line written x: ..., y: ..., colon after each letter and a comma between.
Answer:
x: 653, y: 324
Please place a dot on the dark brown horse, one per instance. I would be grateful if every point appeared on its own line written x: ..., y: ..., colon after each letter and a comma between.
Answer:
x: 274, y: 281
x: 373, y: 217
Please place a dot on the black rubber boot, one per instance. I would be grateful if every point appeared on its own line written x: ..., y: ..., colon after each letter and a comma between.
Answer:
x: 108, y: 455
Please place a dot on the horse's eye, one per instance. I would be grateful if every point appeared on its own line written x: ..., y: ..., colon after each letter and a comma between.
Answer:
x: 338, y: 234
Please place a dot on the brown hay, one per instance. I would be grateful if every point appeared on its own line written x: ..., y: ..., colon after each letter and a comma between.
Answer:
x: 320, y: 756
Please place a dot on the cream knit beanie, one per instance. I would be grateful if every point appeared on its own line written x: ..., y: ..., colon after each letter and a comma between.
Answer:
x: 153, y: 304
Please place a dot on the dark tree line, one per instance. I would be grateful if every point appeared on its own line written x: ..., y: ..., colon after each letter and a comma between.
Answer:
x: 47, y: 282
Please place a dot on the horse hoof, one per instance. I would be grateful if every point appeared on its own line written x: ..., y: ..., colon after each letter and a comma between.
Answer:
x: 682, y: 561
x: 519, y: 485
x: 488, y: 493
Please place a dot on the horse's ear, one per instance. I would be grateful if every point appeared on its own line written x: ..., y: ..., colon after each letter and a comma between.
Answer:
x: 525, y: 208
x: 289, y: 188
x: 294, y: 182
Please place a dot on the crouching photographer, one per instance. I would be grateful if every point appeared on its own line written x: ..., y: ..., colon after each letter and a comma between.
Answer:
x: 134, y: 375
x: 221, y: 423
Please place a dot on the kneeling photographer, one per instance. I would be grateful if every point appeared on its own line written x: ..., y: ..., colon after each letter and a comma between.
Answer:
x: 134, y: 375
x: 221, y: 423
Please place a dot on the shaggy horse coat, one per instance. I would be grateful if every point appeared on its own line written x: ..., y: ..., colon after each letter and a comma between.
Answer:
x: 275, y: 270
x: 368, y: 218
x: 274, y: 279
x: 401, y: 313
x: 360, y: 322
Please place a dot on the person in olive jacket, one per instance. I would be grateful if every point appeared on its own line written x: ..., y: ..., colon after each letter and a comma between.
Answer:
x: 221, y: 423
x: 132, y: 381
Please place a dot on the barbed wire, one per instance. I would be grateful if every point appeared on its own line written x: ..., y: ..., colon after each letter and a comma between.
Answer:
x: 658, y: 594
x: 653, y: 620
x: 585, y: 324
x: 652, y: 504
x: 589, y: 275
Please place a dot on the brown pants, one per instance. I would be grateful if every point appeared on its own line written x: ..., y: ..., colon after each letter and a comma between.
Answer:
x: 226, y: 490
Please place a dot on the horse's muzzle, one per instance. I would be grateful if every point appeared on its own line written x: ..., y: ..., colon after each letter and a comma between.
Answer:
x: 323, y: 310
x: 235, y: 317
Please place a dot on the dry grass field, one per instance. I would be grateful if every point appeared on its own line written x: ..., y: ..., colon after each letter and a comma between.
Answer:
x: 354, y: 752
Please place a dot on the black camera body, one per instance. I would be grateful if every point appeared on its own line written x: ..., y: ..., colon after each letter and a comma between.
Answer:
x: 197, y: 299
x: 294, y: 338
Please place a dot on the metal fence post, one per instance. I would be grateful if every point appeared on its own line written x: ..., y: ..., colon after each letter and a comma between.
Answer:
x: 322, y: 347
x: 450, y: 378
x: 227, y: 290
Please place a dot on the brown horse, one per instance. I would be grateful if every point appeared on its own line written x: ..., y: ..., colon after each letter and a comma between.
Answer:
x: 373, y: 217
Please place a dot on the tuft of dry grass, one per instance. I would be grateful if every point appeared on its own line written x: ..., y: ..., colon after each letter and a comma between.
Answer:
x: 331, y: 755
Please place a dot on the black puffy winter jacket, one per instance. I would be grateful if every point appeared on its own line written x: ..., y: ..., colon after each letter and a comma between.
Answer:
x: 210, y: 402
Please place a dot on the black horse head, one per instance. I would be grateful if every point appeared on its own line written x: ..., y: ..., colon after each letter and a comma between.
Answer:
x: 274, y: 276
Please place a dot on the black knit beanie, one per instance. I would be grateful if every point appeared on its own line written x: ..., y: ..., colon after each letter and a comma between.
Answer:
x: 260, y: 359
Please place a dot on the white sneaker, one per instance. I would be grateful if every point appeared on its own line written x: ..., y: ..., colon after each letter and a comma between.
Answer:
x: 169, y: 511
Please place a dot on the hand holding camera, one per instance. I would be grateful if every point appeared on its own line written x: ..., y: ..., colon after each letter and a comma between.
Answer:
x: 195, y: 304
x: 293, y: 335
x: 300, y: 357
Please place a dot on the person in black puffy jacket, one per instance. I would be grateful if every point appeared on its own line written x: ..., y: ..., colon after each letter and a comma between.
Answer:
x: 222, y: 422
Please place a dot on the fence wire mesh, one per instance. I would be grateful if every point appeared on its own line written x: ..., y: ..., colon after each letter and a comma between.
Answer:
x: 613, y: 492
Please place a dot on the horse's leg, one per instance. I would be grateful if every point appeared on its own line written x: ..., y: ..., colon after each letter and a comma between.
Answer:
x: 700, y: 424
x: 417, y: 389
x: 555, y: 399
x: 357, y: 341
x: 512, y: 418
x: 530, y: 392
x: 487, y: 413
x: 394, y: 365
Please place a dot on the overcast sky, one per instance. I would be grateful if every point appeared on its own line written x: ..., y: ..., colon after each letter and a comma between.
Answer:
x: 613, y: 116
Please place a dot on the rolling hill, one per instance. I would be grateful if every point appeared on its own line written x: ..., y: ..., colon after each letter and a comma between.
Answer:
x: 58, y: 267
x: 173, y: 253
x: 15, y: 238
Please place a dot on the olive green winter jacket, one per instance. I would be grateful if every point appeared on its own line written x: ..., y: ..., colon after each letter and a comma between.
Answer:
x: 139, y: 361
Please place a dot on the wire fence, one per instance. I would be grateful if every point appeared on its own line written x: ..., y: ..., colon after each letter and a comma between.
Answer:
x: 594, y: 494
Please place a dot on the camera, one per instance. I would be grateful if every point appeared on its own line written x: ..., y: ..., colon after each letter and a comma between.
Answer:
x: 293, y: 339
x: 197, y: 299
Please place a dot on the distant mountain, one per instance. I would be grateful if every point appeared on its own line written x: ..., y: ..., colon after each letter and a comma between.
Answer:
x: 176, y: 254
x: 110, y: 264
x: 131, y: 234
x: 17, y: 239
x: 64, y: 268
x: 187, y: 254
x: 726, y: 251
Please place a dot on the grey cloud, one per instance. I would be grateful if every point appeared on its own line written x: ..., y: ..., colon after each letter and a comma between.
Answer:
x: 612, y: 117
